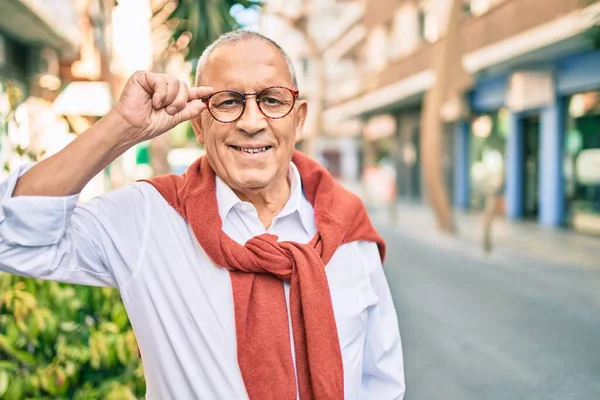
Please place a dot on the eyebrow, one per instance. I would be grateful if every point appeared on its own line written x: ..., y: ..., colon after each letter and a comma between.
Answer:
x: 256, y: 89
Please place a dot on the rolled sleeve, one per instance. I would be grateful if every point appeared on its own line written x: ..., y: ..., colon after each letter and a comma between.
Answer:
x: 40, y: 237
x: 33, y: 220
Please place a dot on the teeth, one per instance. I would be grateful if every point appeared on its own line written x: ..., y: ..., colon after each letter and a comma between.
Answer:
x: 252, y: 151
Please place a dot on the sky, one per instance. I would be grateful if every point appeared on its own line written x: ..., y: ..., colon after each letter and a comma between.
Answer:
x: 248, y: 18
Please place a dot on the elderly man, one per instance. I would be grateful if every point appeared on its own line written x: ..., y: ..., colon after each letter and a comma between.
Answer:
x: 253, y: 275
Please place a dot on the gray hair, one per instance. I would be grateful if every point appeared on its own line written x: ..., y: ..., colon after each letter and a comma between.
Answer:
x: 238, y: 36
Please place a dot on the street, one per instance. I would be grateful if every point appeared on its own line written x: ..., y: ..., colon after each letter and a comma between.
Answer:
x: 483, y: 330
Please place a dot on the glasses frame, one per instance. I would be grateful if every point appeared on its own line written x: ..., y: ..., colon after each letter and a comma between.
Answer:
x: 256, y: 95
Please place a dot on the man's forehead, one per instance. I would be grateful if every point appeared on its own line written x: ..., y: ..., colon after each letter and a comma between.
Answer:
x: 239, y: 62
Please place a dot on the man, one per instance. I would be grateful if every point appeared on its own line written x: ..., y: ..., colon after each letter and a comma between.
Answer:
x: 250, y: 276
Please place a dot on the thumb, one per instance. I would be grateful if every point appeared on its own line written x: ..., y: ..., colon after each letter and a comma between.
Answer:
x: 199, y: 92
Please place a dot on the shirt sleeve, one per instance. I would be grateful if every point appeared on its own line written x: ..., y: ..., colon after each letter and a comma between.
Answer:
x: 54, y: 238
x: 383, y: 366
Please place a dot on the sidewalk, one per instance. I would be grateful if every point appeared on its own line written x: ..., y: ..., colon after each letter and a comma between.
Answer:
x: 523, y: 240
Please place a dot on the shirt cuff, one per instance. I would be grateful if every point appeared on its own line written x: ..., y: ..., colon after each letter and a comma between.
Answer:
x: 32, y: 220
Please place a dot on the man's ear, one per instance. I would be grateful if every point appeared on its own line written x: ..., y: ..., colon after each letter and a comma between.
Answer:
x: 301, y: 118
x: 198, y: 128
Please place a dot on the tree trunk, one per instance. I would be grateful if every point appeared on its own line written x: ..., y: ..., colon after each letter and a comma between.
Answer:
x: 451, y: 80
x: 431, y: 155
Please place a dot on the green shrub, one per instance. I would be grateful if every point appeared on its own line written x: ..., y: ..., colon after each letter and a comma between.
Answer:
x: 63, y: 341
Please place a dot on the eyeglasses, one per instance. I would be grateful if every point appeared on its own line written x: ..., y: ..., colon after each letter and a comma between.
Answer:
x: 228, y: 105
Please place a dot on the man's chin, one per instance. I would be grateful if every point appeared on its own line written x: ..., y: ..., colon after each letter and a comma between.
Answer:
x: 253, y: 182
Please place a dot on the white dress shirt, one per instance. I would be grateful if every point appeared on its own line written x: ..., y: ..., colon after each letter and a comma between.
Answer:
x: 179, y: 303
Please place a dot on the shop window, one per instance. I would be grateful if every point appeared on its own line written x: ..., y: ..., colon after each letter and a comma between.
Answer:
x: 487, y: 149
x: 479, y: 7
x: 332, y: 159
x: 582, y: 162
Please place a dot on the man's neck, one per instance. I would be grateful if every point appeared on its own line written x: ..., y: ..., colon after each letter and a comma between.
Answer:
x: 270, y: 200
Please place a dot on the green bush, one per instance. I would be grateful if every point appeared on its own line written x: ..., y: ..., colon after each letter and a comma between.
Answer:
x: 63, y: 341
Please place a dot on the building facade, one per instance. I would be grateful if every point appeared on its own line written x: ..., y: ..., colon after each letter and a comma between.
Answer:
x: 55, y: 77
x: 533, y: 110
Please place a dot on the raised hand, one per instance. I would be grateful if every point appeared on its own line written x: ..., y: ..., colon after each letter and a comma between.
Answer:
x: 151, y: 104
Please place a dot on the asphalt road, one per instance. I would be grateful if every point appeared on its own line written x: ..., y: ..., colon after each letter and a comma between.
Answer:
x: 482, y: 330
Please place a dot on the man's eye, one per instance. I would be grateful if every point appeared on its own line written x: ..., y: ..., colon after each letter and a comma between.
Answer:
x: 271, y: 101
x: 228, y: 103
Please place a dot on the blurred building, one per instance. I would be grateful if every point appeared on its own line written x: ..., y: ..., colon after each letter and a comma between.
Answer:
x: 533, y: 111
x: 69, y: 60
x: 35, y: 36
x: 54, y: 54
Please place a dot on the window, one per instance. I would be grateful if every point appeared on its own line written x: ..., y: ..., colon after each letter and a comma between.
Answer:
x: 479, y: 7
x: 433, y: 15
x: 582, y: 162
x: 2, y: 51
x: 377, y: 48
x: 405, y: 31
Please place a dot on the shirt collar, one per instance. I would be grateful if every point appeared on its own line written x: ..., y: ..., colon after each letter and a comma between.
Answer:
x: 227, y: 199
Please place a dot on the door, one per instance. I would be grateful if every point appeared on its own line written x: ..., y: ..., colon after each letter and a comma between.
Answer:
x: 531, y: 167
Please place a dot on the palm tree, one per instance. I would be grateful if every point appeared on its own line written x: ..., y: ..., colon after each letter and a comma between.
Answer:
x: 204, y: 21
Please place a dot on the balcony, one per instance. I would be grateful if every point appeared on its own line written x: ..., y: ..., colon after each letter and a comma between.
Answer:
x: 506, y: 20
x: 511, y: 30
x: 511, y: 18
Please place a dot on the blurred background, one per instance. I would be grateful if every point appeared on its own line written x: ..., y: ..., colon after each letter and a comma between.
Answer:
x: 471, y: 129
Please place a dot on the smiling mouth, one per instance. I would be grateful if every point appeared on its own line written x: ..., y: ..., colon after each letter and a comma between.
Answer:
x: 251, y: 150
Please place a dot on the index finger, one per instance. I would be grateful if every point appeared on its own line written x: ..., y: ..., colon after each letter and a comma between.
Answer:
x: 199, y: 92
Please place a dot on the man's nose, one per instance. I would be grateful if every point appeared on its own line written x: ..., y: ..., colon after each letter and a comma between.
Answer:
x: 252, y: 119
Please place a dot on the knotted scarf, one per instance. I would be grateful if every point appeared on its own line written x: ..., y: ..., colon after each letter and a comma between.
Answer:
x: 257, y: 270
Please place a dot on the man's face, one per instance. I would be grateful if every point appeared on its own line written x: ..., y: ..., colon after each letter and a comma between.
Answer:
x: 249, y: 66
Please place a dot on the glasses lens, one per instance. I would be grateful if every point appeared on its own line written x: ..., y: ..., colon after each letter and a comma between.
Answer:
x: 226, y: 106
x: 275, y: 102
